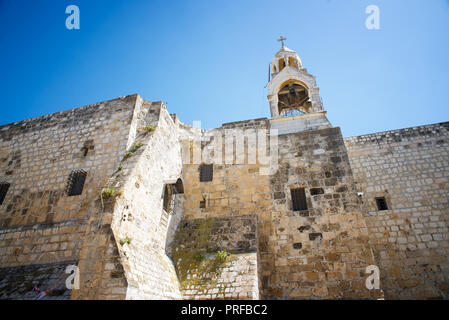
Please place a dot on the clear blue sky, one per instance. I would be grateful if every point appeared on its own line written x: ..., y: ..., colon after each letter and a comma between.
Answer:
x: 208, y: 59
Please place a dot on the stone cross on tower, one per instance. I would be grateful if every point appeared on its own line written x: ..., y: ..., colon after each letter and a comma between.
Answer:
x: 282, y: 39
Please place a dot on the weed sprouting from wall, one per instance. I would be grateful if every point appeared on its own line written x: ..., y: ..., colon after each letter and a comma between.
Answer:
x: 125, y: 240
x: 222, y: 255
x: 149, y: 128
x: 109, y: 193
x: 127, y: 155
x: 135, y: 147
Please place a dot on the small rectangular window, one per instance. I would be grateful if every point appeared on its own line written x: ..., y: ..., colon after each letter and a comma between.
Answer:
x: 315, y: 191
x: 206, y: 172
x: 299, y: 199
x: 381, y: 204
x: 4, y: 186
x: 75, y: 183
x: 168, y: 198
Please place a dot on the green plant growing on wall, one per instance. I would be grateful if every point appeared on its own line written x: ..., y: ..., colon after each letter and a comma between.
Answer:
x: 108, y: 193
x: 125, y: 254
x: 125, y: 240
x: 222, y: 255
x: 127, y: 155
x: 135, y: 147
x: 196, y: 264
x: 149, y: 128
x: 120, y: 167
x: 199, y: 257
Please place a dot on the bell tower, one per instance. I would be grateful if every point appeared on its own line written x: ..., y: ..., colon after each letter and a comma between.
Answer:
x: 292, y: 92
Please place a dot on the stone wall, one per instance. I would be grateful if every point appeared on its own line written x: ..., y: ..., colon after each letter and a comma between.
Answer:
x: 126, y: 257
x: 239, y: 186
x: 121, y: 238
x: 216, y: 258
x: 139, y: 213
x: 39, y: 223
x: 321, y: 252
x: 410, y: 168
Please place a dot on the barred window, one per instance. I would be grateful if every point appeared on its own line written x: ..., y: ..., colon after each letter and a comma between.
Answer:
x: 299, y: 199
x: 4, y: 186
x: 206, y: 172
x: 381, y: 204
x: 75, y: 183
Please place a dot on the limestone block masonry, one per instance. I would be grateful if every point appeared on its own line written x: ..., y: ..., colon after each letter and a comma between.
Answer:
x: 410, y: 169
x: 322, y: 251
x: 128, y: 243
x: 39, y: 223
x: 203, y: 273
x: 121, y: 200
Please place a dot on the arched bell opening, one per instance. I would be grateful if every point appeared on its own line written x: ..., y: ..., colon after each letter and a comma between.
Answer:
x: 292, y: 62
x: 293, y: 99
x: 281, y: 64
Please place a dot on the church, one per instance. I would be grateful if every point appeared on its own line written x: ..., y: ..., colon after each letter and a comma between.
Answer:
x: 122, y: 200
